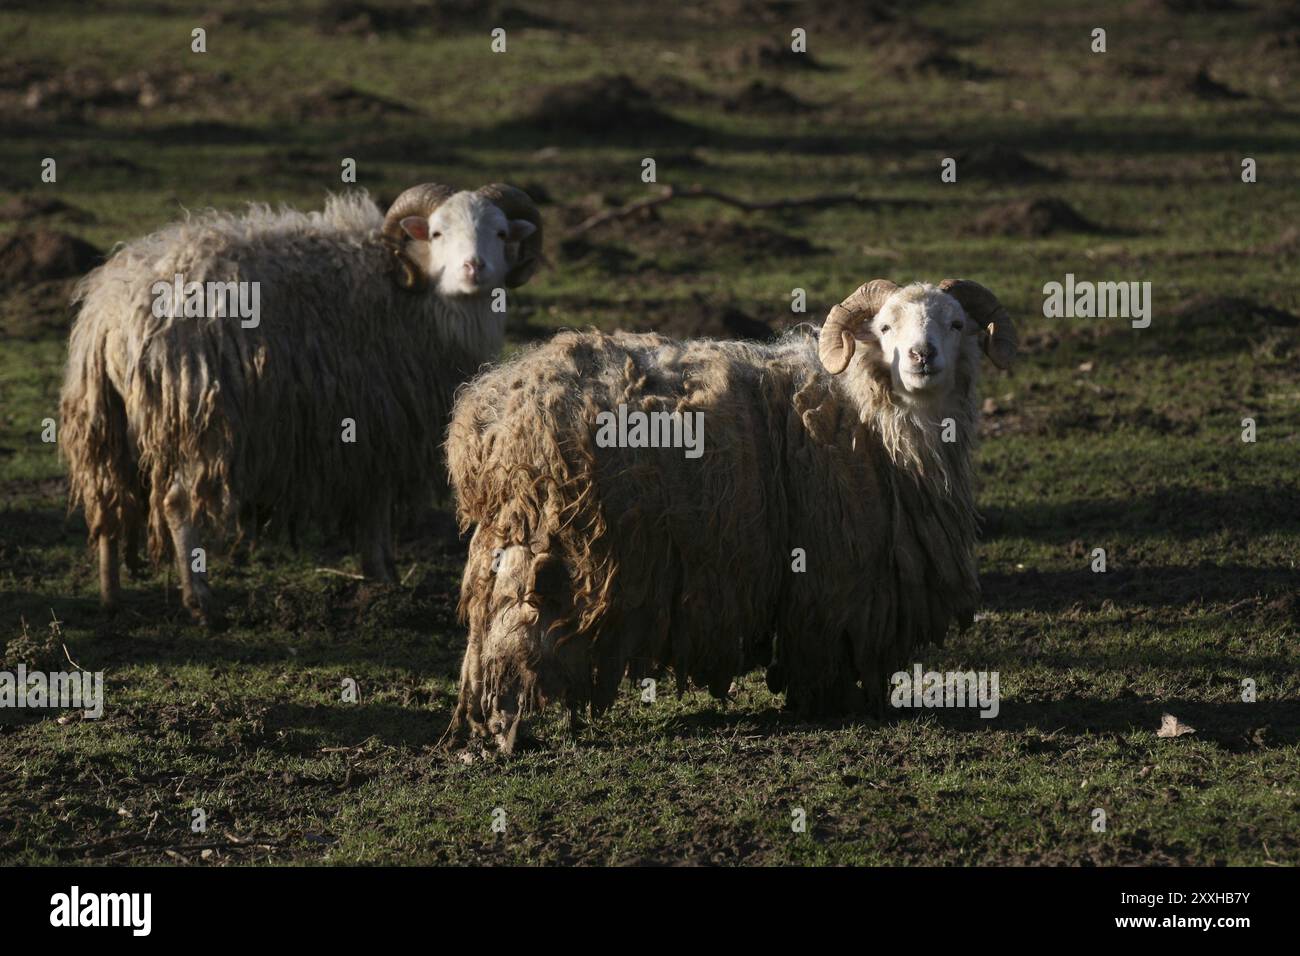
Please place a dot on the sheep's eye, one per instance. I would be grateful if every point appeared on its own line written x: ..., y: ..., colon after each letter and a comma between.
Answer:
x: 884, y: 329
x: 436, y: 235
x: 501, y: 234
x: 957, y: 326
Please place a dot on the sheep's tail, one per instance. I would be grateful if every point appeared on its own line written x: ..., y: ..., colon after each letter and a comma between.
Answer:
x: 94, y: 439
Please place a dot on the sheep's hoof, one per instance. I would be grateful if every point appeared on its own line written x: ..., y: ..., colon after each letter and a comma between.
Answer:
x: 776, y: 678
x: 577, y: 723
x: 207, y: 615
x: 456, y: 735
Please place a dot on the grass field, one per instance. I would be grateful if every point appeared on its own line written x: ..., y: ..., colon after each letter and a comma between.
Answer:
x: 1105, y: 436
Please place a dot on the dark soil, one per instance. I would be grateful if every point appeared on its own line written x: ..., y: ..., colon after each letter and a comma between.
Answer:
x: 1230, y: 313
x: 609, y: 104
x: 700, y: 318
x: 1031, y: 219
x: 22, y: 208
x: 336, y: 101
x: 701, y: 240
x: 27, y: 257
x: 358, y: 18
x: 923, y: 56
x: 37, y: 310
x: 763, y: 97
x: 1002, y: 164
x: 763, y: 54
x: 1205, y: 87
x: 82, y: 91
x: 819, y: 19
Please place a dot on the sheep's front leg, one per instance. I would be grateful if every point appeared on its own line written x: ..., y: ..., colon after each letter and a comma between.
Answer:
x: 109, y: 576
x: 195, y: 593
x: 376, y: 542
x: 467, y: 720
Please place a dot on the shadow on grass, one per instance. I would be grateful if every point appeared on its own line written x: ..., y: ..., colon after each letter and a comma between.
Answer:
x: 1162, y: 587
x: 1180, y: 513
x: 1236, y: 727
x: 351, y: 725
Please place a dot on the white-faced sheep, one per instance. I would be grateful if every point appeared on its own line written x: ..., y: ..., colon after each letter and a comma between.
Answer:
x: 590, y: 562
x: 327, y: 408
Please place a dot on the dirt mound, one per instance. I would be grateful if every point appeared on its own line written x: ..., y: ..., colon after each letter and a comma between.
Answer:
x: 699, y: 319
x: 1205, y: 87
x: 752, y: 243
x: 20, y: 74
x: 673, y: 89
x: 1230, y: 313
x: 602, y: 104
x: 1283, y: 41
x: 81, y: 90
x: 606, y: 258
x: 35, y: 311
x: 1002, y: 164
x: 21, y: 208
x: 763, y: 54
x: 43, y: 254
x: 42, y: 651
x: 405, y: 147
x: 359, y: 18
x: 762, y: 97
x: 101, y: 161
x: 673, y: 238
x: 335, y: 101
x: 822, y: 18
x: 1181, y: 7
x: 679, y: 159
x: 294, y: 162
x: 908, y: 54
x: 1031, y: 219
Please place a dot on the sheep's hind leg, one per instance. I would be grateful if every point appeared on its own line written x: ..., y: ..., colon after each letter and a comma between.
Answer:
x: 110, y: 581
x: 195, y: 593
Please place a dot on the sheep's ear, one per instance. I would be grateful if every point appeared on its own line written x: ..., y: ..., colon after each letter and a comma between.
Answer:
x: 521, y: 229
x: 417, y: 227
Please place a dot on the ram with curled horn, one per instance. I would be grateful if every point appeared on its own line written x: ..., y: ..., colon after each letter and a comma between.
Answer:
x: 593, y: 561
x: 326, y: 408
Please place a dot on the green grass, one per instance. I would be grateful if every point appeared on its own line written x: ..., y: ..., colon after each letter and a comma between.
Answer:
x: 1138, y: 452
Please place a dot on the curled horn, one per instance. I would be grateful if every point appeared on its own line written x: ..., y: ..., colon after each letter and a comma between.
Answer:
x: 997, y: 332
x: 517, y: 204
x: 836, y: 344
x: 419, y: 200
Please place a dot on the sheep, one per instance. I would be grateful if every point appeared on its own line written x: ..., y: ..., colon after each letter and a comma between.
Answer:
x: 214, y: 423
x: 589, y: 561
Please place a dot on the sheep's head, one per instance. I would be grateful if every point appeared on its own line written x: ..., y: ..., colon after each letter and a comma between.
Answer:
x: 463, y: 243
x: 921, y: 333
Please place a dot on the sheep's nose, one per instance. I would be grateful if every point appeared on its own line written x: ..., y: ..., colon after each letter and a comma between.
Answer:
x: 922, y: 353
x: 473, y: 267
